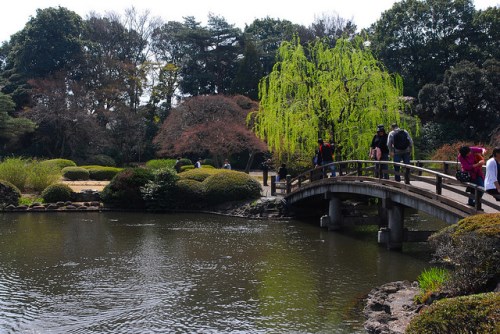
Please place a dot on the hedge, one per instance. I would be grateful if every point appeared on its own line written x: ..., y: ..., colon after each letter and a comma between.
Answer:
x: 57, y: 192
x: 75, y: 173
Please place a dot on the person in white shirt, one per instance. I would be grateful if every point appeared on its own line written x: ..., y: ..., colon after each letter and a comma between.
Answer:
x: 492, y: 179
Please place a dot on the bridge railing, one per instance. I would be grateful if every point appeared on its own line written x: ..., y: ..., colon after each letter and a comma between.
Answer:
x: 438, y: 174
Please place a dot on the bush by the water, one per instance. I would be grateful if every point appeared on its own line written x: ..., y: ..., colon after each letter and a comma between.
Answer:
x: 477, y: 314
x: 189, y: 194
x: 59, y: 163
x: 28, y: 174
x: 102, y: 173
x: 472, y: 248
x: 57, y: 192
x: 15, y: 171
x: 75, y: 173
x: 9, y: 194
x: 124, y: 190
x: 159, y: 194
x: 228, y: 185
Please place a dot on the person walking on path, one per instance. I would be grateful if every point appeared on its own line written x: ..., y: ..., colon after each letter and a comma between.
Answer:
x: 400, y: 146
x: 467, y: 158
x: 492, y: 179
x: 325, y: 155
x: 266, y: 165
x: 380, y: 151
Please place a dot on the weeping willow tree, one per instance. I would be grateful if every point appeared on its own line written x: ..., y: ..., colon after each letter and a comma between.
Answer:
x: 339, y: 94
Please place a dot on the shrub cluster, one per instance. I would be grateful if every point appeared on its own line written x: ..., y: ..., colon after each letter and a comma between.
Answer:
x: 9, y: 194
x: 75, y: 173
x: 230, y: 186
x: 466, y: 314
x: 29, y: 174
x: 160, y: 163
x: 57, y: 192
x: 472, y: 248
x: 101, y: 160
x: 124, y: 190
x: 159, y: 194
x: 102, y: 173
x: 59, y: 163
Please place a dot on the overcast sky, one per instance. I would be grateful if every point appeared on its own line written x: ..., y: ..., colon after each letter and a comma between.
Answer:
x: 14, y: 15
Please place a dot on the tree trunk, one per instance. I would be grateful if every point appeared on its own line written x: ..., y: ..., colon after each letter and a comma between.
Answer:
x: 250, y: 161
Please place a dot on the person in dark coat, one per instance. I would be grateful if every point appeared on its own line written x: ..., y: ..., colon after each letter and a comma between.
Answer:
x: 266, y: 165
x: 380, y: 151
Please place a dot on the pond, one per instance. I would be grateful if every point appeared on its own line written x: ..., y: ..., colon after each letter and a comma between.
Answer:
x: 188, y: 273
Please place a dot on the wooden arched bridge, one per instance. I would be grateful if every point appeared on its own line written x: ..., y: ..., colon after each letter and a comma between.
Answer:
x: 426, y: 186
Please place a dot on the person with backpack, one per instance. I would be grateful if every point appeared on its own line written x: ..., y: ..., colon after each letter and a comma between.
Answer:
x: 325, y: 155
x: 400, y: 145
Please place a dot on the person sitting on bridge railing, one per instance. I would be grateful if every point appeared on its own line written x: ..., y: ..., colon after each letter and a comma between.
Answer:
x: 467, y: 159
x: 492, y: 180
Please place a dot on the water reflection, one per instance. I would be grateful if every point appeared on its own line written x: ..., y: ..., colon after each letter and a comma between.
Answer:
x: 145, y: 273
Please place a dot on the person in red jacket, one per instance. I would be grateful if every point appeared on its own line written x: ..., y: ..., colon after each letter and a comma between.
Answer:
x: 325, y: 155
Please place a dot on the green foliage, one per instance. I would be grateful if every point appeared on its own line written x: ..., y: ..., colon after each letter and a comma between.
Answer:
x: 42, y: 175
x: 101, y: 173
x: 57, y: 192
x: 472, y: 247
x: 338, y: 93
x: 198, y: 174
x: 124, y: 190
x: 461, y: 315
x: 160, y: 193
x: 186, y: 167
x: 11, y: 129
x: 189, y: 194
x: 228, y: 185
x: 101, y: 160
x: 9, y: 194
x: 75, y: 173
x: 15, y: 171
x: 161, y: 163
x: 431, y: 281
x: 59, y: 163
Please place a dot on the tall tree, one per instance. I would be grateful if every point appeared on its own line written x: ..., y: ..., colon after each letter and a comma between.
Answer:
x: 212, y: 126
x: 339, y: 93
x: 420, y: 39
x: 11, y: 129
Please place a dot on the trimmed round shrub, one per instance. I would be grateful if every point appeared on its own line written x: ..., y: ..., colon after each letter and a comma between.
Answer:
x: 199, y: 174
x: 75, y: 173
x: 124, y: 190
x: 469, y: 247
x: 100, y: 173
x: 9, y: 194
x: 189, y: 194
x: 160, y: 163
x: 186, y: 168
x: 57, y: 192
x: 466, y: 314
x: 59, y: 163
x: 229, y: 185
x: 101, y: 160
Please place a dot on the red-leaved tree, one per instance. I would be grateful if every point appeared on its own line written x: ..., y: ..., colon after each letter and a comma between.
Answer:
x: 209, y: 126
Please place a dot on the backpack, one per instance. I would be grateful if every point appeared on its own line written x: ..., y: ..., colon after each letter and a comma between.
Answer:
x: 326, y: 152
x: 401, y: 140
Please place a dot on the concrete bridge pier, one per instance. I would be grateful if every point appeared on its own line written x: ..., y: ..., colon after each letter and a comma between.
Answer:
x: 334, y: 220
x: 393, y: 235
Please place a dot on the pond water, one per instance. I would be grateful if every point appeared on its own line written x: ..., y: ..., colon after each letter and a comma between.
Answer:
x: 186, y: 273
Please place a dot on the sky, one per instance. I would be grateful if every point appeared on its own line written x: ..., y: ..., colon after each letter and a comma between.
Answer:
x: 14, y: 16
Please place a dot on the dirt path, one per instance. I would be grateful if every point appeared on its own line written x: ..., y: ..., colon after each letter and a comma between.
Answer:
x: 78, y: 186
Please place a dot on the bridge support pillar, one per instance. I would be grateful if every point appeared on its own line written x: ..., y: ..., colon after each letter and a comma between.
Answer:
x: 395, y: 226
x: 334, y: 213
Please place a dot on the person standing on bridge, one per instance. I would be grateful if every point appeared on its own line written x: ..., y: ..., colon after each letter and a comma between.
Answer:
x: 325, y: 155
x: 467, y: 159
x: 380, y: 151
x: 492, y: 180
x: 400, y: 145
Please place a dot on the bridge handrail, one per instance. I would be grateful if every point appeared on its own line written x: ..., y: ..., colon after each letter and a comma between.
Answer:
x: 438, y: 178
